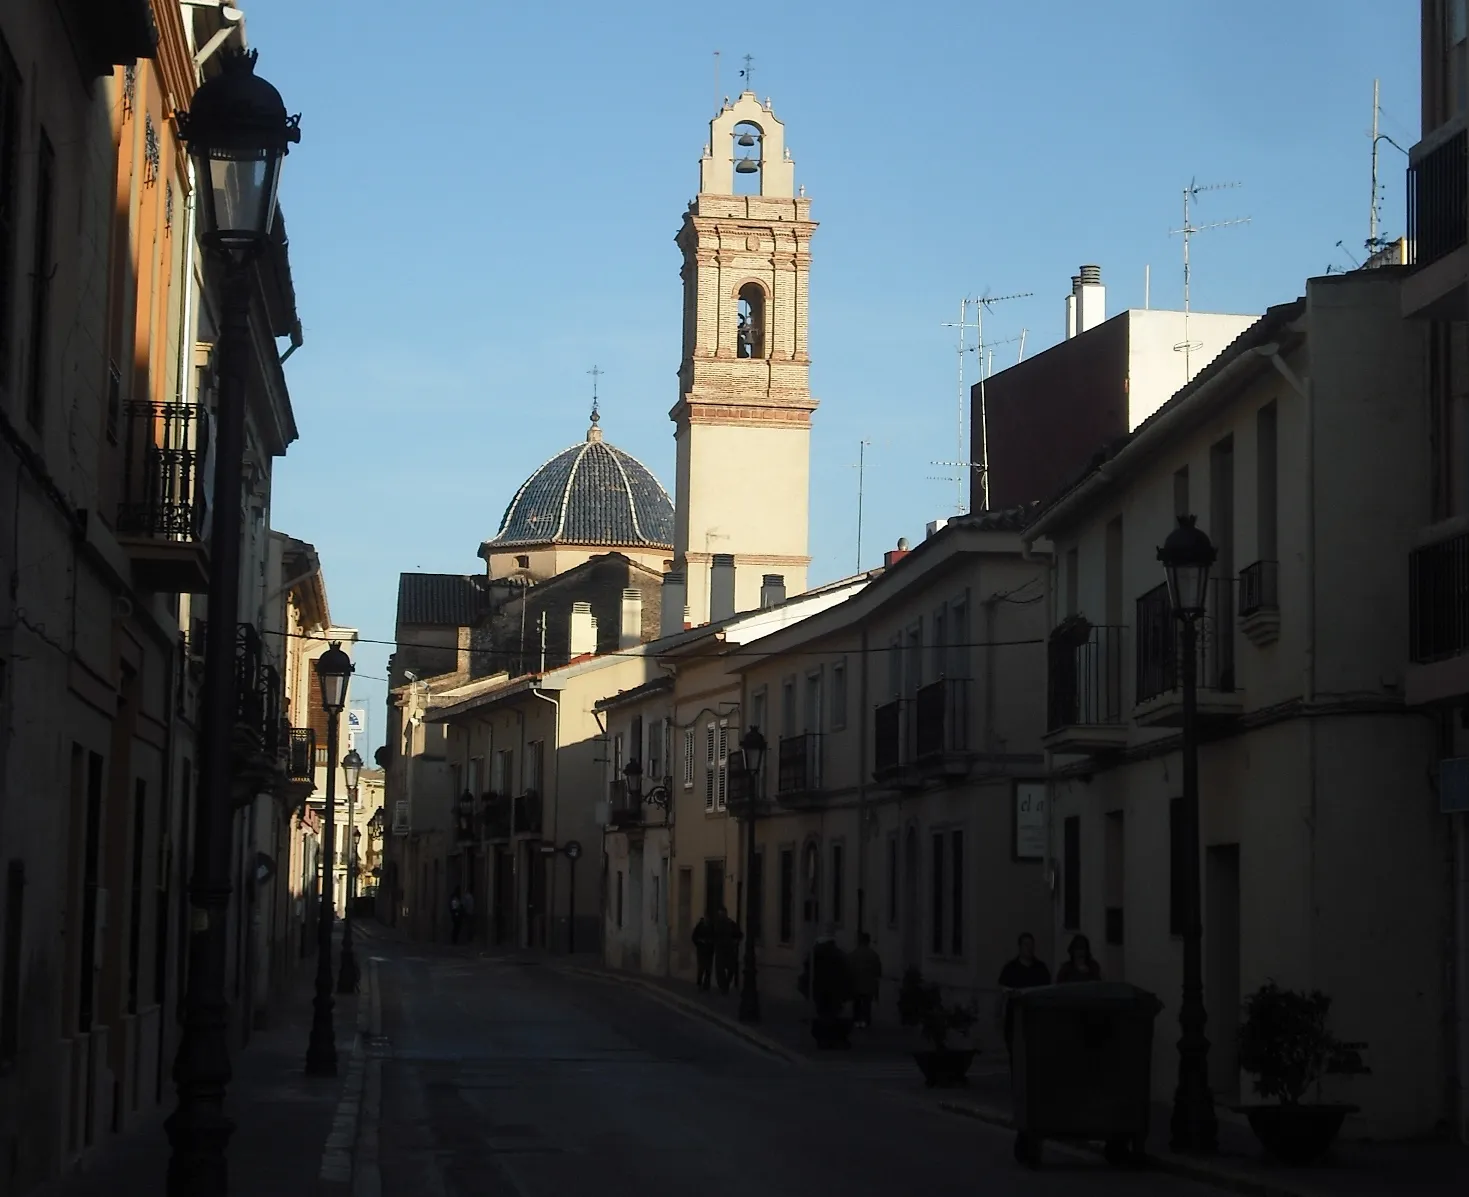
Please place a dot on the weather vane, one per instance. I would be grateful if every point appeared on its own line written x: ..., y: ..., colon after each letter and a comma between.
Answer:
x: 596, y: 372
x: 748, y: 74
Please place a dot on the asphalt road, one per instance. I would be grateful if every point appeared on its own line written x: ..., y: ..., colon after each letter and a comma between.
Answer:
x: 507, y: 1079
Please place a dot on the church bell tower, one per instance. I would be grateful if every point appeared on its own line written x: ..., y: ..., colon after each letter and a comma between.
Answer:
x: 743, y: 419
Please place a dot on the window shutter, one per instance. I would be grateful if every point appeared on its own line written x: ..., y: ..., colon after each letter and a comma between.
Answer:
x: 711, y: 767
x: 722, y: 793
x: 688, y: 758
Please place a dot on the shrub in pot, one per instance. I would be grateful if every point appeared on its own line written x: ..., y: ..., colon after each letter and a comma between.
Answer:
x: 1287, y: 1046
x: 944, y: 1066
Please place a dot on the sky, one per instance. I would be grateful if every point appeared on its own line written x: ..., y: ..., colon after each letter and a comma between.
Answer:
x: 483, y: 204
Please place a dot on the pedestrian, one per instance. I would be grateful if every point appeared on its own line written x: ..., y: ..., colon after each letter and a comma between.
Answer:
x: 466, y: 912
x: 704, y: 952
x: 456, y: 915
x: 1080, y: 965
x: 866, y: 967
x: 1026, y: 971
x: 831, y: 989
x: 727, y: 936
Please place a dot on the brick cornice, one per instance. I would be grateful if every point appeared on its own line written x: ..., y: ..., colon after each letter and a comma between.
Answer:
x: 694, y: 558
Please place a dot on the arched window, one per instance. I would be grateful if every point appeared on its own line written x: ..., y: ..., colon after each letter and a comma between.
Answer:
x: 811, y: 876
x: 748, y: 158
x: 751, y: 321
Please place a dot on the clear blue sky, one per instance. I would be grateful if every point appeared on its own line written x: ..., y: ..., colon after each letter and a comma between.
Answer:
x: 485, y: 196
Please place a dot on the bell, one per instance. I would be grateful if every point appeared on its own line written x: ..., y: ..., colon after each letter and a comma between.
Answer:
x: 745, y: 139
x: 747, y: 166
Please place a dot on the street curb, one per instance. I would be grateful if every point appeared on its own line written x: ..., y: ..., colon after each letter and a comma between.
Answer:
x: 1185, y: 1169
x: 658, y: 993
x: 334, y: 1178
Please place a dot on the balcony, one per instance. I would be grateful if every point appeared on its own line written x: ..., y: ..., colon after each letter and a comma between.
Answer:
x: 1084, y: 689
x: 941, y: 728
x: 623, y: 809
x: 1438, y: 225
x: 298, y: 757
x: 892, y: 741
x: 1438, y: 616
x: 1159, y: 636
x: 798, y: 768
x: 160, y: 521
x: 1259, y: 602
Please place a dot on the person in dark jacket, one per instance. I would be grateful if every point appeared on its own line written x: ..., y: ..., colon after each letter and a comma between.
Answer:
x: 1079, y: 966
x: 704, y: 952
x: 831, y: 988
x: 866, y: 969
x: 1026, y: 971
x: 727, y: 936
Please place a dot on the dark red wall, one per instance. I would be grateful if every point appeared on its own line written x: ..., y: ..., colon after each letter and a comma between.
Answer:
x: 1048, y: 416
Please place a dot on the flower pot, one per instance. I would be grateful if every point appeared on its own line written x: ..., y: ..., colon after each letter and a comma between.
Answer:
x: 946, y: 1068
x: 1297, y: 1134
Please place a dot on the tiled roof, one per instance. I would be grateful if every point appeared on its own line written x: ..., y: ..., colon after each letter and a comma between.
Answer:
x: 449, y: 600
x: 593, y: 494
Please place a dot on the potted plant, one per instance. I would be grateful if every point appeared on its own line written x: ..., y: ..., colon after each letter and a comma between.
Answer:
x: 1284, y: 1043
x: 943, y: 1066
x: 912, y: 995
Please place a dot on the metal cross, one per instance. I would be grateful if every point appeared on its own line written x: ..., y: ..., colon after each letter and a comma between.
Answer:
x: 596, y: 372
x: 748, y: 73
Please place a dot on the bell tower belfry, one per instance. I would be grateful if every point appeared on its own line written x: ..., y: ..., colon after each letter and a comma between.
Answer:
x: 743, y: 419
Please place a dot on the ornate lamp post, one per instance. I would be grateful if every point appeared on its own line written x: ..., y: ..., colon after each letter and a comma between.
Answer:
x: 1187, y: 556
x: 349, y: 974
x: 754, y: 761
x: 237, y: 133
x: 333, y: 669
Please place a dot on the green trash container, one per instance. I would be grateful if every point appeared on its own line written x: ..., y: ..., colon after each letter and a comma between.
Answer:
x: 1083, y: 1058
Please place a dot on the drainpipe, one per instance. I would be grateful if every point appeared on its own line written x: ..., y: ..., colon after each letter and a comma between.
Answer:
x: 555, y: 803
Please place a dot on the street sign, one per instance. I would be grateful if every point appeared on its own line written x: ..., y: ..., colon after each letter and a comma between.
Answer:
x: 572, y: 849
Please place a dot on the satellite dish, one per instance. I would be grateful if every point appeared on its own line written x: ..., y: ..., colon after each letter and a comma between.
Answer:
x: 745, y: 139
x: 747, y: 166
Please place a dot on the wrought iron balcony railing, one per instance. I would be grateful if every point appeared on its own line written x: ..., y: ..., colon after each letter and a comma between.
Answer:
x: 1438, y: 201
x: 1438, y: 597
x: 298, y: 754
x: 162, y: 478
x: 1259, y: 588
x: 1160, y: 637
x: 799, y: 766
x: 1084, y: 684
x: 941, y: 723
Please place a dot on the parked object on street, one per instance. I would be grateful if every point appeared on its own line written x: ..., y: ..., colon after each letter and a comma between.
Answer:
x: 911, y: 996
x: 944, y: 1066
x: 1083, y: 1057
x: 1285, y: 1044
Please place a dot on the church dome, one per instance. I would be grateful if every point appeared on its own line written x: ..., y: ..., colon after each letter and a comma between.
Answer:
x: 590, y: 494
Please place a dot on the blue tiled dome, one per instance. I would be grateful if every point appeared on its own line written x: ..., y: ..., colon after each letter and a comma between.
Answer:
x: 593, y: 494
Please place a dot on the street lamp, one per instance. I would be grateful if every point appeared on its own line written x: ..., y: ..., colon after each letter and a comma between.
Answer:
x: 632, y: 774
x: 349, y: 974
x: 237, y: 133
x: 1187, y: 556
x: 333, y: 668
x: 754, y: 761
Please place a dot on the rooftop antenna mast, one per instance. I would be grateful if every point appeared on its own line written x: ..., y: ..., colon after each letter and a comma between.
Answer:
x: 862, y: 447
x: 1375, y: 239
x: 1190, y: 194
x: 982, y: 305
x: 964, y: 347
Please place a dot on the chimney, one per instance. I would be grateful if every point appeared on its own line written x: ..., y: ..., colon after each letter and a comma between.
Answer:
x: 893, y: 556
x: 721, y: 587
x: 935, y: 527
x: 1091, y: 299
x: 673, y: 608
x: 772, y: 590
x: 632, y: 619
x: 464, y: 656
x: 583, y: 630
x: 1071, y: 306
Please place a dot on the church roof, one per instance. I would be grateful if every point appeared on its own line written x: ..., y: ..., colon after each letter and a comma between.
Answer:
x: 590, y: 494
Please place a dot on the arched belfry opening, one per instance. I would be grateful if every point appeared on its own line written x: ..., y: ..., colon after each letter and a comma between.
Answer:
x: 749, y: 152
x: 750, y: 317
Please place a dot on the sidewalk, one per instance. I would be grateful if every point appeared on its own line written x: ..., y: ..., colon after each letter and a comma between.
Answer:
x: 291, y: 1130
x: 882, y: 1053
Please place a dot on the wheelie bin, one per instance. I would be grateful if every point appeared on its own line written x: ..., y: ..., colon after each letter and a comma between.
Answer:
x: 1083, y: 1057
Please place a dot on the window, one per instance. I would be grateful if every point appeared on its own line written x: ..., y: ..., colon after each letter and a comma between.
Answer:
x: 787, y: 895
x: 535, y: 765
x: 1457, y: 73
x: 1177, y: 846
x: 757, y: 709
x: 688, y: 758
x: 956, y: 893
x: 1073, y: 571
x: 721, y: 793
x: 10, y: 954
x: 476, y: 767
x: 811, y: 878
x: 655, y: 753
x: 1180, y: 491
x: 959, y: 637
x: 756, y: 913
x: 839, y: 695
x: 838, y: 884
x: 940, y: 897
x: 788, y: 707
x: 750, y: 321
x: 1071, y: 874
x: 893, y: 879
x: 811, y: 721
x: 895, y: 667
x: 9, y: 203
x: 940, y: 642
x: 135, y: 902
x: 522, y: 561
x: 1265, y: 482
x: 716, y: 766
x: 41, y: 267
x: 617, y: 757
x: 913, y: 661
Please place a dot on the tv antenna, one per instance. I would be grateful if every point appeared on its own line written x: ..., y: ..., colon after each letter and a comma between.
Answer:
x: 1375, y: 241
x: 1190, y: 194
x: 861, y: 467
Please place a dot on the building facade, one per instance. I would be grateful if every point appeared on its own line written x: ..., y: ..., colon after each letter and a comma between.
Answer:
x: 1322, y: 838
